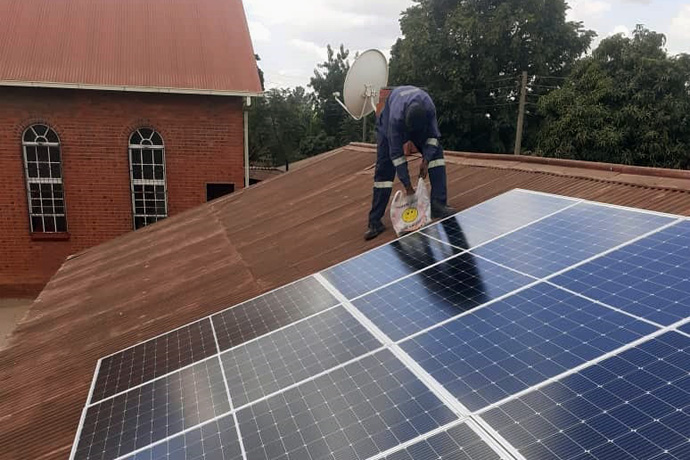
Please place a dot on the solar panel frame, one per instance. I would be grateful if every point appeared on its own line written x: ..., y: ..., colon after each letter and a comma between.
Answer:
x: 276, y: 361
x: 531, y: 249
x: 648, y: 278
x: 515, y: 343
x: 574, y: 406
x: 410, y: 365
x: 437, y: 294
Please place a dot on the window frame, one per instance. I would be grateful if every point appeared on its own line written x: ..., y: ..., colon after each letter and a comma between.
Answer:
x: 146, y: 143
x: 57, y: 233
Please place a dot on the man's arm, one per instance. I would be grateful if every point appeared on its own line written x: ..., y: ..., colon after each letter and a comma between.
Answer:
x: 395, y: 141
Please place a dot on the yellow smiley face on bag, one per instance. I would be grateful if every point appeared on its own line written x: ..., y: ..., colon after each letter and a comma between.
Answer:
x: 410, y: 215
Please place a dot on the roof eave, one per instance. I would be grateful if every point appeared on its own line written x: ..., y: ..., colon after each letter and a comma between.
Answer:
x: 125, y: 88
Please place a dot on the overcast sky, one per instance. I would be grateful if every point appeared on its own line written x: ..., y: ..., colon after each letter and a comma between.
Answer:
x: 291, y: 35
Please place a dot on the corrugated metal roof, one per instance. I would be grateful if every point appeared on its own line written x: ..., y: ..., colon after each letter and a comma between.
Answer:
x: 199, y: 262
x: 136, y: 45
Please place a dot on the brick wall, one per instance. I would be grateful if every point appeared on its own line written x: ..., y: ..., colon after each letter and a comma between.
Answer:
x: 204, y: 143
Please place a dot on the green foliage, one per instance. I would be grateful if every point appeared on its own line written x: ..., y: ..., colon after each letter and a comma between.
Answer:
x: 626, y: 103
x: 468, y: 55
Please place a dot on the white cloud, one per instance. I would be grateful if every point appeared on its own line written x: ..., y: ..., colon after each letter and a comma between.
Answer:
x: 620, y: 29
x: 259, y: 32
x: 584, y: 9
x: 319, y: 52
x: 680, y: 25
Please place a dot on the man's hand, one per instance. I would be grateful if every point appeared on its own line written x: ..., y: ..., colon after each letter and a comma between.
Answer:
x: 410, y: 190
x: 423, y: 169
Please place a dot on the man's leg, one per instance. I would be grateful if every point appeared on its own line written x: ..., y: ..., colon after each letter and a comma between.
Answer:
x: 439, y: 189
x: 383, y: 187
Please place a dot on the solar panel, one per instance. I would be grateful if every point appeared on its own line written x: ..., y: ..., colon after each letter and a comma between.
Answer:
x: 386, y: 264
x: 356, y: 411
x: 153, y: 411
x: 569, y: 237
x: 271, y: 311
x: 214, y: 440
x: 482, y: 355
x: 495, y: 217
x: 635, y: 405
x: 437, y: 294
x: 154, y: 358
x: 457, y: 443
x: 519, y: 342
x: 277, y: 360
x: 649, y: 278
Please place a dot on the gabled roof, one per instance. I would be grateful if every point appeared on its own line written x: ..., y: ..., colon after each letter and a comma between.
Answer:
x: 219, y: 254
x: 177, y: 46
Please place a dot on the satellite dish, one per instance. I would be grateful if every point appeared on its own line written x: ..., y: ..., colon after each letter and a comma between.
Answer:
x: 364, y: 81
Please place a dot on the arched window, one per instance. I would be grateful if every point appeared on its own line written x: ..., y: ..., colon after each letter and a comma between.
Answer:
x: 147, y: 173
x: 43, y: 171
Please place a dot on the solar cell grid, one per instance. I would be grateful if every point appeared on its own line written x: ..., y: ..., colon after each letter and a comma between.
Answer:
x: 520, y: 341
x: 156, y: 357
x: 387, y: 263
x: 437, y: 294
x: 356, y: 411
x: 495, y: 217
x: 635, y: 405
x: 569, y: 237
x: 457, y: 443
x: 649, y: 278
x: 300, y: 351
x: 216, y: 440
x: 271, y: 311
x: 154, y: 411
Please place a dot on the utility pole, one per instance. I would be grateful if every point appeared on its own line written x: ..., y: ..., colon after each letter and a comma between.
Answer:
x: 521, y: 114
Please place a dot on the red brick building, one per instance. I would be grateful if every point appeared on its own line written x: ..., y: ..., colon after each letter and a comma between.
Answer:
x: 114, y: 115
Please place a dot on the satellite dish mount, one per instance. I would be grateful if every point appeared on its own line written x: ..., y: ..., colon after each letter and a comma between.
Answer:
x: 363, y: 84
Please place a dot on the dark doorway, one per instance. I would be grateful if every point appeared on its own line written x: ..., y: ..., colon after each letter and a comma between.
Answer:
x: 214, y: 191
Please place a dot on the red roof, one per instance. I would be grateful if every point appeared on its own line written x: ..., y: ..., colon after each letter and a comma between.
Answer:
x: 179, y: 46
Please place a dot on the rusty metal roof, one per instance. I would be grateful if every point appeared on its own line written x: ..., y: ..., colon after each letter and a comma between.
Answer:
x: 199, y: 262
x: 179, y: 46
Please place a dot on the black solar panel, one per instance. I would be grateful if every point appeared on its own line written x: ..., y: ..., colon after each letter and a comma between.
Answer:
x: 154, y: 358
x: 457, y: 443
x: 519, y: 342
x: 437, y: 294
x: 649, y: 278
x: 386, y: 264
x: 635, y: 405
x: 271, y: 311
x: 356, y: 411
x: 569, y: 237
x: 216, y: 440
x: 154, y: 411
x: 291, y: 355
x: 495, y: 217
x: 577, y: 367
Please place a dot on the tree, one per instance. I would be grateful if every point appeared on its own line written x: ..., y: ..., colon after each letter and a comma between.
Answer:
x: 468, y: 55
x: 329, y: 77
x: 627, y: 103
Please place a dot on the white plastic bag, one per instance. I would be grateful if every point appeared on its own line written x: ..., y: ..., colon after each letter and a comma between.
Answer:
x: 410, y: 213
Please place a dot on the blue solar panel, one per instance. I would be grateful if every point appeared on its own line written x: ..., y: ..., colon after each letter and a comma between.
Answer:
x: 216, y: 440
x: 495, y: 217
x: 353, y: 412
x: 635, y: 405
x: 295, y: 353
x: 685, y: 328
x: 569, y: 237
x: 649, y: 278
x: 437, y: 294
x: 520, y: 341
x: 457, y: 443
x: 387, y: 263
x: 154, y: 411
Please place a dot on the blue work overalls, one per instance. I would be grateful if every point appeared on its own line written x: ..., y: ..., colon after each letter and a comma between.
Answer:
x: 391, y: 136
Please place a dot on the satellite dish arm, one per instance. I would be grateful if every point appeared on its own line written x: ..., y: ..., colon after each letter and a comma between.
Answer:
x: 337, y: 98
